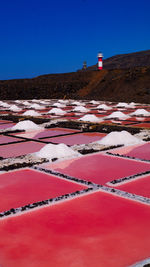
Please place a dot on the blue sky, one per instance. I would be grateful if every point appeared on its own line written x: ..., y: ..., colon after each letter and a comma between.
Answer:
x: 44, y: 36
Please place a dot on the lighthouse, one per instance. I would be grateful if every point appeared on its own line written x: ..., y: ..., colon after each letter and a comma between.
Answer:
x: 100, y: 61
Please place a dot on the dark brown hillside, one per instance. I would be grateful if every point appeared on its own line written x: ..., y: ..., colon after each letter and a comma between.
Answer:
x: 116, y: 85
x: 120, y: 85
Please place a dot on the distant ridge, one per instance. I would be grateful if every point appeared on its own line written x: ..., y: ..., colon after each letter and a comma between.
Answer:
x: 124, y: 61
x: 124, y: 78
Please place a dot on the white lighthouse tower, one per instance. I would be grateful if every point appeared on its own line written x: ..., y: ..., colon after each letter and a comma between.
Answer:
x: 100, y: 61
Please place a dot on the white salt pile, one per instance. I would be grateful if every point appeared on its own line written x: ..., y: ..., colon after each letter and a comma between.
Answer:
x: 80, y: 109
x: 15, y: 108
x: 59, y: 105
x: 118, y: 115
x: 31, y: 113
x: 26, y: 125
x: 119, y: 138
x: 94, y: 102
x: 103, y: 106
x: 77, y: 103
x: 131, y: 105
x: 60, y: 151
x: 140, y: 112
x: 56, y: 111
x: 90, y: 118
x: 37, y: 106
x: 63, y: 101
x: 26, y: 103
x: 122, y: 105
x: 4, y: 105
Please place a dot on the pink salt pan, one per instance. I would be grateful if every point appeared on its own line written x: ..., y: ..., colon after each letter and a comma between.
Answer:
x: 139, y: 186
x: 99, y: 168
x: 5, y: 121
x: 141, y: 151
x: 19, y: 188
x: 18, y: 149
x: 8, y: 139
x: 83, y: 138
x: 95, y: 230
x: 46, y: 133
x: 6, y: 125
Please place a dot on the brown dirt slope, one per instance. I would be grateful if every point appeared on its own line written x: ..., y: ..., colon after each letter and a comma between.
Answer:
x: 119, y: 85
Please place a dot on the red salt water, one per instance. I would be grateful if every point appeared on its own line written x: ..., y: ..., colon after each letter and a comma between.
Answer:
x: 46, y: 133
x: 8, y: 139
x: 141, y: 151
x: 18, y: 149
x: 83, y: 138
x: 142, y: 125
x: 18, y: 188
x: 5, y: 121
x: 95, y: 230
x: 6, y: 125
x: 99, y: 168
x: 139, y: 186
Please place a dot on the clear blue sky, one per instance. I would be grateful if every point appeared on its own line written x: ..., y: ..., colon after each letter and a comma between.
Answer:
x: 55, y: 36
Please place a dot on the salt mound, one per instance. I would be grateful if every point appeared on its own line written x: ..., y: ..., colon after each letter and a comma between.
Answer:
x: 90, y: 118
x: 119, y: 138
x: 118, y: 115
x: 103, y: 106
x: 36, y: 106
x: 4, y: 105
x: 31, y: 113
x: 131, y: 105
x: 26, y: 103
x: 56, y: 111
x: 77, y: 103
x: 14, y: 108
x: 59, y: 105
x: 94, y: 102
x: 80, y: 109
x: 122, y: 105
x: 63, y: 101
x: 60, y: 151
x: 142, y: 112
x: 26, y: 125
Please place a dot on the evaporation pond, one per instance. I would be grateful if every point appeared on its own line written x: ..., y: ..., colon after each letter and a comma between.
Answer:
x: 47, y: 133
x: 141, y: 151
x: 8, y: 139
x: 6, y: 125
x: 19, y: 188
x: 80, y: 138
x: 18, y: 149
x: 139, y: 186
x: 99, y: 168
x: 97, y: 230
